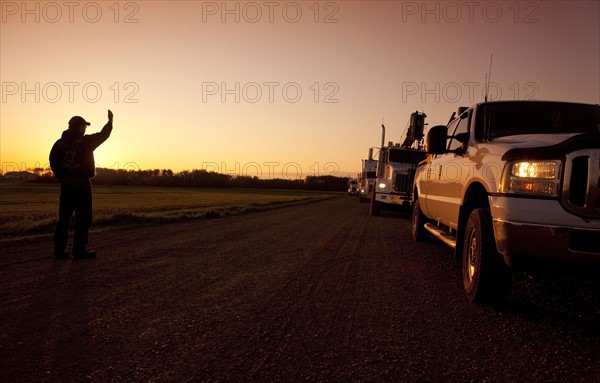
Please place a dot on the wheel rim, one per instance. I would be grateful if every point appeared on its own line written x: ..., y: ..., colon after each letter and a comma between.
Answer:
x: 470, y: 266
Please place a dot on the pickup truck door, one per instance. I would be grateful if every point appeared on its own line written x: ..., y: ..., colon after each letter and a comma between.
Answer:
x: 446, y: 176
x: 444, y: 189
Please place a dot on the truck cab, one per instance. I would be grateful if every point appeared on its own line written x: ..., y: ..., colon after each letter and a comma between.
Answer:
x: 367, y: 178
x: 397, y: 165
x: 395, y: 175
x: 352, y: 187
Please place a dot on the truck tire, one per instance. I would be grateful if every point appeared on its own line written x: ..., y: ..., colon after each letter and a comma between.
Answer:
x: 375, y: 208
x: 486, y: 277
x: 418, y: 221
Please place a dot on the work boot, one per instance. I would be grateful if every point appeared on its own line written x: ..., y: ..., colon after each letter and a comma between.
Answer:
x: 83, y: 254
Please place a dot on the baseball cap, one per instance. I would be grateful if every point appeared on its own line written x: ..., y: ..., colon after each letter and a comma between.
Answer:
x: 77, y: 120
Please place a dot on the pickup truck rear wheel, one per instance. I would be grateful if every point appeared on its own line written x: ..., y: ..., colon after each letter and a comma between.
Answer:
x: 419, y: 233
x: 486, y: 277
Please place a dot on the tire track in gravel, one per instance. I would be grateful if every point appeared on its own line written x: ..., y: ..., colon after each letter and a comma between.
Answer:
x: 324, y: 295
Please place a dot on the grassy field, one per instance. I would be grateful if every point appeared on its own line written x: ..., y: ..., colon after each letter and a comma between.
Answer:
x: 27, y: 209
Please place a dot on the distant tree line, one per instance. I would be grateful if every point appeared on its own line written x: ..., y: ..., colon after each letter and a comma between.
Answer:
x: 191, y: 178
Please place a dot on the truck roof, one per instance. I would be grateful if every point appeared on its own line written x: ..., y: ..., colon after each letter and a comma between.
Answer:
x: 532, y: 101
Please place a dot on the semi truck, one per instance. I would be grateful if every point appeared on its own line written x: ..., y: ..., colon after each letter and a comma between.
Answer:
x: 397, y: 165
x: 366, y: 178
x: 352, y: 187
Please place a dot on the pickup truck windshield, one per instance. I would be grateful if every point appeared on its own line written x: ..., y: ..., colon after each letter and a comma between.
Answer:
x: 531, y: 117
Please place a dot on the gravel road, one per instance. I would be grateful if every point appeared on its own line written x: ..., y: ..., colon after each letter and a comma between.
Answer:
x: 318, y: 292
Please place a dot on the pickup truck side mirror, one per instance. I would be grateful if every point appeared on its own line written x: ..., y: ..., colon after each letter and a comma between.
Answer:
x: 436, y: 139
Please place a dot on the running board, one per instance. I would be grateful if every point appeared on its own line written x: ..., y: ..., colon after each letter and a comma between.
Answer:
x: 441, y: 235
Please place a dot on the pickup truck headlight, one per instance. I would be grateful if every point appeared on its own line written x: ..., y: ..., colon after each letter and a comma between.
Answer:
x: 532, y: 177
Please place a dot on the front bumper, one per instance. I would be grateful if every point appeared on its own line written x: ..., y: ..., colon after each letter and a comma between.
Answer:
x: 541, y: 230
x: 393, y: 199
x: 526, y: 243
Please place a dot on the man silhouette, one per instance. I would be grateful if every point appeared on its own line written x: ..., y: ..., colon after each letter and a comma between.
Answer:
x: 72, y: 162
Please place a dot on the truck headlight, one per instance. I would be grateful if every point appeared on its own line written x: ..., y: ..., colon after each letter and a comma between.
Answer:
x: 382, y: 185
x: 532, y: 177
x: 536, y: 169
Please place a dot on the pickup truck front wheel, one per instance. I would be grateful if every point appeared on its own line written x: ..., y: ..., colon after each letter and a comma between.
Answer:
x: 418, y: 221
x: 486, y: 277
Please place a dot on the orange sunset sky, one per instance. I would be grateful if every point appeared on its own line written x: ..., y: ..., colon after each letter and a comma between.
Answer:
x: 257, y: 88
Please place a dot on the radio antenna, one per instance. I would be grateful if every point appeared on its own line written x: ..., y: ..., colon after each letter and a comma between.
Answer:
x: 488, y: 77
x: 486, y: 112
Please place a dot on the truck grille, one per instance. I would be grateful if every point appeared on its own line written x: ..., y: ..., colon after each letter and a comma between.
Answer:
x: 403, y: 182
x: 581, y: 188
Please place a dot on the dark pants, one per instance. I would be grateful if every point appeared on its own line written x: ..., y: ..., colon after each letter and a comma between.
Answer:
x: 75, y: 197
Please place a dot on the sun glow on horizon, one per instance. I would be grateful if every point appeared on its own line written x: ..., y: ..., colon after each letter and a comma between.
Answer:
x: 193, y: 85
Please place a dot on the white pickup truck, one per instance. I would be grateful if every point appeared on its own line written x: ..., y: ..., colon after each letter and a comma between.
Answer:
x: 511, y: 184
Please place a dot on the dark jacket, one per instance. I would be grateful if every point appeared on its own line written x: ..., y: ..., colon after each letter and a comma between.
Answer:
x: 72, y: 156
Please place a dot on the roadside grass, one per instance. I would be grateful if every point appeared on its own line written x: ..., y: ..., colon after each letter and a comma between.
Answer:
x: 28, y: 209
